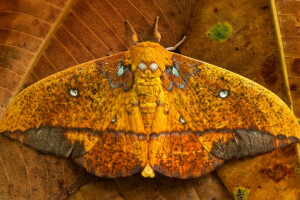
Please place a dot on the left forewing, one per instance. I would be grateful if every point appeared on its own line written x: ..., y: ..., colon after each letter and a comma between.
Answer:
x: 68, y: 113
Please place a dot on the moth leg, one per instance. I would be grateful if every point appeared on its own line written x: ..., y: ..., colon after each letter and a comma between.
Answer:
x: 134, y: 36
x: 177, y: 45
x: 156, y: 32
x: 163, y: 100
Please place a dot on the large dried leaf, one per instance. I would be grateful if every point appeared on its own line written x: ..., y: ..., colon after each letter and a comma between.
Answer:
x: 271, y: 176
x: 94, y: 29
x: 289, y: 20
x: 27, y: 174
x: 136, y: 187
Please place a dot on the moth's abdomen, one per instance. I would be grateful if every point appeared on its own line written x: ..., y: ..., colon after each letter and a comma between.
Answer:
x: 148, y: 108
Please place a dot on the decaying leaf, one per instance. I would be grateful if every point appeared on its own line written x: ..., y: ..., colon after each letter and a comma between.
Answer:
x: 136, y: 187
x: 270, y: 176
x: 289, y: 15
x: 27, y: 174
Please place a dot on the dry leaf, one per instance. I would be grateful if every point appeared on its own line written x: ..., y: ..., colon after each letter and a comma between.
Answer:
x: 136, y: 187
x: 271, y: 176
x: 289, y: 20
x: 27, y: 174
x: 92, y: 30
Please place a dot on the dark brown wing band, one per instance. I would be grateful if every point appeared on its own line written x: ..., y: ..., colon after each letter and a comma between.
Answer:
x: 105, y: 154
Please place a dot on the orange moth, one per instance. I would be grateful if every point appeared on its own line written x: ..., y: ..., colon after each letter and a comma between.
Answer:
x: 147, y: 110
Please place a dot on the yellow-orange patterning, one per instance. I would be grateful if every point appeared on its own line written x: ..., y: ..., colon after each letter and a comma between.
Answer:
x: 149, y: 110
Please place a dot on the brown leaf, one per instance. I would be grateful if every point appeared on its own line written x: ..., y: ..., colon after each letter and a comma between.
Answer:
x: 27, y: 174
x: 136, y: 187
x: 92, y: 30
x: 289, y: 20
x: 270, y: 176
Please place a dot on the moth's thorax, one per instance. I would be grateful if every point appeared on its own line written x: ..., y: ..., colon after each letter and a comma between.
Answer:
x: 148, y: 61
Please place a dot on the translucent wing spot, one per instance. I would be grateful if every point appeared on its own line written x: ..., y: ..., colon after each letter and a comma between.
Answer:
x: 182, y: 120
x: 223, y: 94
x: 175, y: 71
x: 153, y: 67
x: 142, y: 66
x: 120, y: 70
x: 114, y: 119
x: 73, y: 92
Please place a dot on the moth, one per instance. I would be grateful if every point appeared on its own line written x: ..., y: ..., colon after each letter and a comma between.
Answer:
x: 149, y: 110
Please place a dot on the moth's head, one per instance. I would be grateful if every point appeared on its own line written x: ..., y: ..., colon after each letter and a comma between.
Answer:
x: 148, y: 59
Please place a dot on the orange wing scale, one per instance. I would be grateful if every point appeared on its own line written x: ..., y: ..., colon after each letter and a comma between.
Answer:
x: 115, y: 155
x: 180, y: 155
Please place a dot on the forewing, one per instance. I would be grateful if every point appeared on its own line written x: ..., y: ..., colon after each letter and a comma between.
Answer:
x: 68, y: 113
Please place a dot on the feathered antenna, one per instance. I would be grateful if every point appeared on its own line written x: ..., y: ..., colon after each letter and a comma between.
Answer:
x: 134, y: 35
x: 176, y: 45
x: 156, y: 35
x: 156, y: 32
